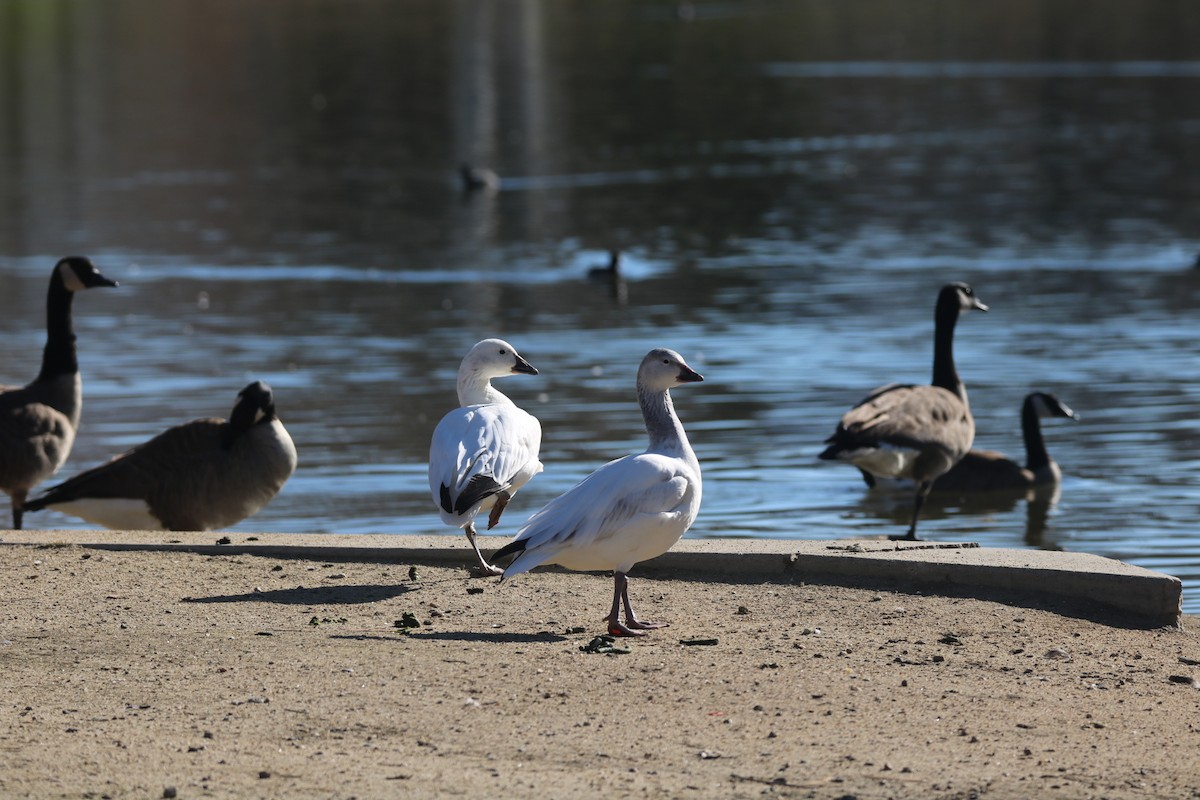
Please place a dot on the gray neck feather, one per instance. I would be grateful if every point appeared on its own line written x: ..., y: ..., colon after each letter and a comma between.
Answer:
x: 664, y: 428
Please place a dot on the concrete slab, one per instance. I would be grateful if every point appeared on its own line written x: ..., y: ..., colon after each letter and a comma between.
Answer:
x: 1152, y: 597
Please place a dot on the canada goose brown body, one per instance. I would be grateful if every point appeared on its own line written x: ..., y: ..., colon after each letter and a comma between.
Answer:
x: 38, y: 421
x: 987, y: 470
x: 914, y: 432
x: 204, y: 474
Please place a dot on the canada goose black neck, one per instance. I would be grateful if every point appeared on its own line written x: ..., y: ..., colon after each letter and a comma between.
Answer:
x: 59, y: 356
x: 945, y: 374
x: 256, y: 405
x: 1036, y: 457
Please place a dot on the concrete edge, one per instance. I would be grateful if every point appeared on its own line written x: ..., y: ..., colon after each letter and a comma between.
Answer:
x: 1093, y: 582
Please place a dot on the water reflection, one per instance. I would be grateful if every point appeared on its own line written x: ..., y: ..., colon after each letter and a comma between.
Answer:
x: 787, y: 183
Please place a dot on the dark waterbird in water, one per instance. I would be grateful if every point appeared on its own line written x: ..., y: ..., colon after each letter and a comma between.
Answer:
x: 987, y: 470
x: 478, y: 178
x: 914, y: 432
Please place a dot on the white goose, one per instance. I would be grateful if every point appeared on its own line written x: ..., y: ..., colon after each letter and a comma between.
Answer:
x: 485, y: 450
x: 630, y: 509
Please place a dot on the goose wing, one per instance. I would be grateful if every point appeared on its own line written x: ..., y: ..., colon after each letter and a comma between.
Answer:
x: 35, y: 440
x: 142, y: 471
x: 903, y: 415
x: 480, y: 450
x: 627, y: 499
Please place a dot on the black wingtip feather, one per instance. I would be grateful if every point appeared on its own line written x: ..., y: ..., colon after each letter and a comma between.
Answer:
x: 514, y: 548
x: 478, y: 488
x: 447, y: 503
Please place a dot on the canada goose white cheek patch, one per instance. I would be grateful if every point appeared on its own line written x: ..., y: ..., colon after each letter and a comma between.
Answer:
x: 116, y: 513
x: 70, y: 279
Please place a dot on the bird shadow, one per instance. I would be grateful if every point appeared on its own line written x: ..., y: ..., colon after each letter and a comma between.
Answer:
x: 493, y: 637
x: 319, y: 595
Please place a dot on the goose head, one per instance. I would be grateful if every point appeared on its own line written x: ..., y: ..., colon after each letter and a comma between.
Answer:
x: 255, y: 403
x: 77, y: 273
x: 1047, y: 406
x: 495, y: 358
x: 664, y: 369
x: 958, y: 297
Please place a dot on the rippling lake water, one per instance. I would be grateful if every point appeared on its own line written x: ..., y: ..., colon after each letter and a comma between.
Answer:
x: 789, y: 184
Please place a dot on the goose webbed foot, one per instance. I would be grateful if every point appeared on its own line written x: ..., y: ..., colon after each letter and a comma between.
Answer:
x: 483, y: 569
x: 632, y: 625
x: 502, y: 499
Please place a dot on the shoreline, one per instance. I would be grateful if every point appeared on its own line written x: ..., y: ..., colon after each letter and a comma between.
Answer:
x: 150, y: 672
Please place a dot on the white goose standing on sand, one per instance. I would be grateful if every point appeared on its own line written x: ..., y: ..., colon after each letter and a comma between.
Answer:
x: 38, y: 421
x: 485, y: 450
x: 914, y: 432
x: 630, y: 509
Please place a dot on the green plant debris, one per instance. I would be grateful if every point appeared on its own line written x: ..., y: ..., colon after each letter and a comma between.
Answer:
x: 603, y: 644
x: 408, y: 620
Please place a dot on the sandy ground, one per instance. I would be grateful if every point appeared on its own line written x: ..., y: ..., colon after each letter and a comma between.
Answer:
x: 141, y: 674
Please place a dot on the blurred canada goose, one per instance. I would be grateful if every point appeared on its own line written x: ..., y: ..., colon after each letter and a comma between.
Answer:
x: 610, y: 275
x: 610, y: 271
x: 485, y: 450
x: 38, y: 421
x: 203, y: 474
x: 987, y: 470
x: 628, y: 510
x: 478, y: 178
x: 915, y: 432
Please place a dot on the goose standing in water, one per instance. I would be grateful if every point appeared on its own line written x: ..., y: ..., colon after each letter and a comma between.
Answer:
x: 987, y: 470
x: 610, y: 271
x: 915, y: 432
x: 203, y: 474
x: 630, y: 509
x: 612, y: 277
x: 485, y: 450
x: 38, y: 421
x: 478, y: 178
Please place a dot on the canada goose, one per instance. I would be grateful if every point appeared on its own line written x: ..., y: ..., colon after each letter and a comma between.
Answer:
x: 987, y: 470
x: 630, y: 509
x: 203, y: 474
x: 610, y: 274
x: 915, y: 432
x: 38, y: 421
x: 478, y: 178
x: 484, y: 451
x: 610, y: 271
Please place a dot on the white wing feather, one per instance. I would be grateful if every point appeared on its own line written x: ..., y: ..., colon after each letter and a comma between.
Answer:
x: 498, y: 440
x: 628, y: 510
